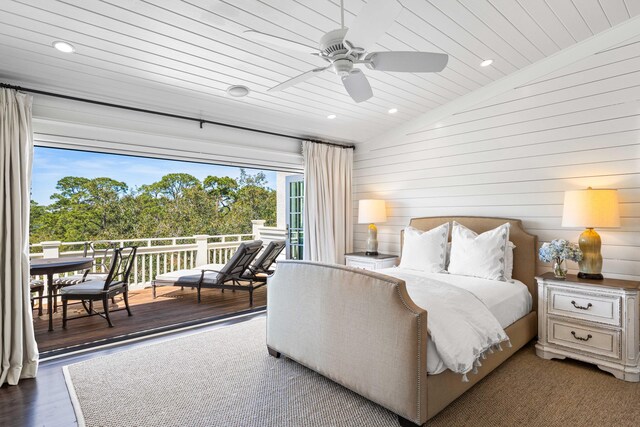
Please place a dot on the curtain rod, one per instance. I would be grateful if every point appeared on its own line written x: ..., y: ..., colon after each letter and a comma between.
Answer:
x: 175, y: 116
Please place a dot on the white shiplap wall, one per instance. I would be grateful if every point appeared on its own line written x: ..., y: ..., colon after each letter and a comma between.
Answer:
x: 515, y: 155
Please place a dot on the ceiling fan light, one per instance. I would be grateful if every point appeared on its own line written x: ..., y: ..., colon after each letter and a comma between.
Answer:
x: 486, y: 62
x: 238, y: 91
x: 63, y: 46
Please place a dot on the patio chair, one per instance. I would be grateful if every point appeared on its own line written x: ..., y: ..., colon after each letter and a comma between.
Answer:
x: 37, y: 286
x: 204, y: 275
x: 116, y: 283
x: 98, y: 250
x: 261, y: 267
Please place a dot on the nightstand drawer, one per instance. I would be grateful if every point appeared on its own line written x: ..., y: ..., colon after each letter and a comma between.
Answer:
x: 358, y: 264
x: 593, y: 340
x: 370, y: 262
x: 596, y: 308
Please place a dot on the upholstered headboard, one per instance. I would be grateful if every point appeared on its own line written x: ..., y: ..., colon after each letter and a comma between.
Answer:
x: 524, y: 256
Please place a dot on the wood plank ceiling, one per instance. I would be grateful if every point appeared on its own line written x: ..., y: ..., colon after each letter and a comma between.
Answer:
x: 180, y: 56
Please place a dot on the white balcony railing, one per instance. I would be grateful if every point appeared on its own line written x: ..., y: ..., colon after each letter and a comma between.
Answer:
x: 161, y: 255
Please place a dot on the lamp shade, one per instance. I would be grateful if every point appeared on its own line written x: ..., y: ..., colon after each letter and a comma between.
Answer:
x: 591, y: 208
x: 372, y: 211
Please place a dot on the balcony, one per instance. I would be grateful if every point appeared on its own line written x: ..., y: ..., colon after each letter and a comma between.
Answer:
x: 173, y: 305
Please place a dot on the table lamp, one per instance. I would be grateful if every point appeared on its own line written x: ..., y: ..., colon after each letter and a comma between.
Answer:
x: 369, y: 212
x: 591, y: 208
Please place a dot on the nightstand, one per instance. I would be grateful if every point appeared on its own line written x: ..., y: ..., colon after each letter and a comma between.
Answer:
x: 370, y: 262
x: 595, y: 321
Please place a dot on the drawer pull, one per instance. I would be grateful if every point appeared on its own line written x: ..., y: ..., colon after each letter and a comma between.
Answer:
x: 581, y: 338
x: 581, y: 307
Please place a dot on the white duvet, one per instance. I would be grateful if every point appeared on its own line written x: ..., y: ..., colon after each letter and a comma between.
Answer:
x: 466, y: 315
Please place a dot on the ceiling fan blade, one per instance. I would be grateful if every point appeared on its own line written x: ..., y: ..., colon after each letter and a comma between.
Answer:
x: 410, y: 62
x: 357, y: 86
x: 372, y: 22
x: 297, y: 79
x: 279, y: 41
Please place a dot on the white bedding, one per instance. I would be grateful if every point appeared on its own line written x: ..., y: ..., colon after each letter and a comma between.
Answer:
x: 507, y: 301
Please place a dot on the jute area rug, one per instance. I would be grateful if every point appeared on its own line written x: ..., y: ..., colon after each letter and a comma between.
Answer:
x: 225, y: 377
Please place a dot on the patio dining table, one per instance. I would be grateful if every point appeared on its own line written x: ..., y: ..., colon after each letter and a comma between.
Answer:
x: 51, y: 266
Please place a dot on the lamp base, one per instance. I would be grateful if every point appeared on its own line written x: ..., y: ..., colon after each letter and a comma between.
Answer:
x: 591, y: 264
x: 372, y: 240
x: 590, y: 276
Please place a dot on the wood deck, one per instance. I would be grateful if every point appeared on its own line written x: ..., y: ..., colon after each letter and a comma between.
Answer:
x: 172, y: 306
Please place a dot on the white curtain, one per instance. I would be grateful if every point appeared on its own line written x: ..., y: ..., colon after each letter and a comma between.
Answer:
x: 18, y: 348
x: 328, y: 217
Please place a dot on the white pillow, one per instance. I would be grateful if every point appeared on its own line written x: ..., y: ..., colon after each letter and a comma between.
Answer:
x: 508, y: 268
x: 508, y: 271
x: 425, y: 251
x: 483, y: 255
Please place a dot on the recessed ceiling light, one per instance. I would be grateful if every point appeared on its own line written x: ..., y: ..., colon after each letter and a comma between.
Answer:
x: 64, y: 47
x: 238, y: 91
x: 486, y: 62
x: 331, y: 116
x: 393, y: 110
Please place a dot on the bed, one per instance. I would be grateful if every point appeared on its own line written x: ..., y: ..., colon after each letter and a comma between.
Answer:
x: 364, y: 331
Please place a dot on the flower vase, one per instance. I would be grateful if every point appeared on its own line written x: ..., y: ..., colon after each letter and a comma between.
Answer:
x: 560, y: 268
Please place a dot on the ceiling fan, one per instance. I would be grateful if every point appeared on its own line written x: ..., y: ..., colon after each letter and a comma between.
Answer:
x: 346, y: 48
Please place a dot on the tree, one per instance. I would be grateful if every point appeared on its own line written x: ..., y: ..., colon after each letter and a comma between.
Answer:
x: 81, y: 207
x: 172, y: 186
x: 176, y: 205
x: 223, y: 190
x: 104, y: 200
x: 253, y: 200
x: 37, y: 221
x: 182, y: 206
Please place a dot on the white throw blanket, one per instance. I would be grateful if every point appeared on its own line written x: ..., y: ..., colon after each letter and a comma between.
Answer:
x: 460, y: 325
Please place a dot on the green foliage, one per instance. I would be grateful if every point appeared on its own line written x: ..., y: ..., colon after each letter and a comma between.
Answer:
x: 177, y: 205
x: 172, y: 186
x: 223, y: 189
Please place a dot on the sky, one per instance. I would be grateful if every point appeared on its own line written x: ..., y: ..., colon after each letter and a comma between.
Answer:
x: 51, y: 164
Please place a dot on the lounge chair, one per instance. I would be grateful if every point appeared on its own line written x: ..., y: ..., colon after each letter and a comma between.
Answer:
x: 216, y: 276
x: 257, y: 271
x: 261, y: 267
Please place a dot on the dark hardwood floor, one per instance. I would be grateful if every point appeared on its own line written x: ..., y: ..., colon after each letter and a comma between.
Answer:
x: 172, y: 306
x: 44, y: 401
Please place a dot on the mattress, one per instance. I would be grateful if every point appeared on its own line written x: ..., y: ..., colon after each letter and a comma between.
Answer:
x: 507, y: 301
